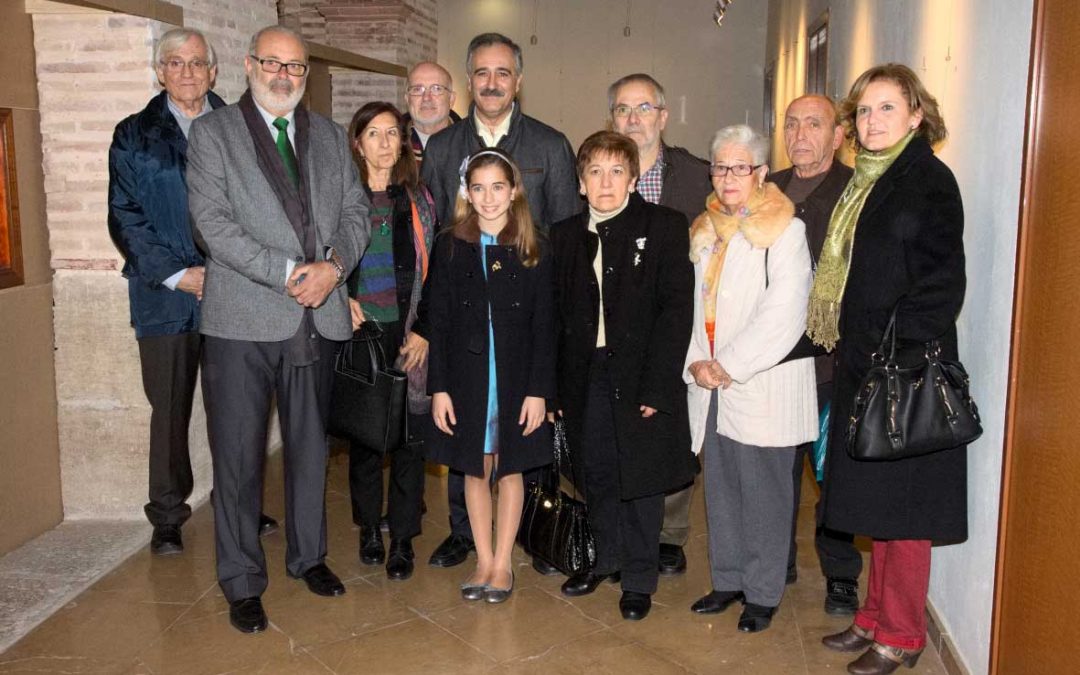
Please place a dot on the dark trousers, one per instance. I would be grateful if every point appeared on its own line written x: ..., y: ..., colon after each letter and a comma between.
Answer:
x: 836, y: 550
x: 170, y: 364
x: 627, y: 531
x: 240, y: 379
x: 406, y: 468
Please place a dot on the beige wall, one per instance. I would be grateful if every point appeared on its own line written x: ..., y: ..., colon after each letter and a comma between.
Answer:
x: 713, y: 76
x: 29, y: 452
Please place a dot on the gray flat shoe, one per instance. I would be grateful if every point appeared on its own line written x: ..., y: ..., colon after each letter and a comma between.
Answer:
x: 496, y: 595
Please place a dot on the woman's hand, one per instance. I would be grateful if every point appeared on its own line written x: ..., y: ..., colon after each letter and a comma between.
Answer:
x: 357, y: 313
x: 720, y: 374
x: 414, y: 350
x: 703, y: 373
x: 442, y: 411
x: 647, y: 412
x: 533, y: 413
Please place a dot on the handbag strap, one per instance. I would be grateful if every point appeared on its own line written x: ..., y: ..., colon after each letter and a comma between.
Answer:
x: 888, y: 336
x: 560, y: 431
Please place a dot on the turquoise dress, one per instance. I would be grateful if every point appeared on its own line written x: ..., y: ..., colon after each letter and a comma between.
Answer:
x: 491, y: 435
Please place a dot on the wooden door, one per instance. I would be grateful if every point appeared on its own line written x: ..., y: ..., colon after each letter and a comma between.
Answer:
x: 1037, y: 589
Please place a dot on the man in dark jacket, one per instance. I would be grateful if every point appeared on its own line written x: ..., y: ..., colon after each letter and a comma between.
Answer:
x: 814, y: 183
x: 148, y: 221
x: 547, y: 165
x: 429, y: 96
x: 672, y: 177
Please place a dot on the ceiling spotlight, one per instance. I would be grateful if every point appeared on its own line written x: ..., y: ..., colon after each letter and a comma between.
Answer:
x: 721, y: 9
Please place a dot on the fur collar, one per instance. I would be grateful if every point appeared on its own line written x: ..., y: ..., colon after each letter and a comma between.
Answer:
x: 764, y: 218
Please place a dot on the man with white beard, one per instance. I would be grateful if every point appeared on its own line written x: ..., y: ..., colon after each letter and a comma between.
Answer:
x: 277, y: 205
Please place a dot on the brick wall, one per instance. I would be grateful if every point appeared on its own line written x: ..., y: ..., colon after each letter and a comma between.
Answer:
x: 93, y: 70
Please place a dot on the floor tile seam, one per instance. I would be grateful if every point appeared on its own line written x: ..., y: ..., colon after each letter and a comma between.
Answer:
x: 794, y: 608
x: 653, y: 652
x: 319, y: 661
x: 601, y: 629
x: 559, y: 596
x: 494, y: 661
x: 353, y: 636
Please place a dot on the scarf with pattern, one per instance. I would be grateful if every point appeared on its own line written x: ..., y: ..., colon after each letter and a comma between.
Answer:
x: 823, y: 314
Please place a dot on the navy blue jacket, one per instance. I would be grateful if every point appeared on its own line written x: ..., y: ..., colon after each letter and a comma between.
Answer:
x: 148, y: 217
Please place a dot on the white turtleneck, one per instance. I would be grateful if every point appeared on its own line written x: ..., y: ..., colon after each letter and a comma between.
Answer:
x: 596, y: 217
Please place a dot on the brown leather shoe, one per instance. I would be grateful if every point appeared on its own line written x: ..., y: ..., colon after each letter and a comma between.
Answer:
x: 881, y: 660
x: 854, y: 639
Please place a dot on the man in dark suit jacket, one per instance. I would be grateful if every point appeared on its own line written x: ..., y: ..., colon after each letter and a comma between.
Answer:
x: 276, y: 199
x: 814, y: 183
x: 148, y: 221
x: 672, y: 177
x: 547, y: 166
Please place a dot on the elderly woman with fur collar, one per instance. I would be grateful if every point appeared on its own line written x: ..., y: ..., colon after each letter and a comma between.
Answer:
x: 750, y: 406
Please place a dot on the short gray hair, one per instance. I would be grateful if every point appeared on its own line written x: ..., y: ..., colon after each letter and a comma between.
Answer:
x: 740, y: 134
x: 490, y: 40
x: 638, y: 78
x: 284, y: 30
x: 175, y: 39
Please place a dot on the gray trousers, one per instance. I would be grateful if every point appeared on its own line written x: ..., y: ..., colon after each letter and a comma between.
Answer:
x: 676, y: 528
x: 748, y: 493
x: 240, y: 379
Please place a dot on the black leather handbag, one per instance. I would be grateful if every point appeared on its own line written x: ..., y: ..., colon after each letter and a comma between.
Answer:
x: 368, y: 399
x: 907, y: 412
x: 554, y: 525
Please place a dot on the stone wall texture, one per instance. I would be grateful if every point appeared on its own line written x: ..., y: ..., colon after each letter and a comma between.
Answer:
x: 93, y: 70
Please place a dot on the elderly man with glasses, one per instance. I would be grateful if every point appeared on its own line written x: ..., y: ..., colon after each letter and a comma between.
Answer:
x: 148, y: 221
x: 672, y: 177
x: 277, y: 201
x: 430, y: 97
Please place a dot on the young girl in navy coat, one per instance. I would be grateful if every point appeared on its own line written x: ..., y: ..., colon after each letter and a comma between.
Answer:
x: 492, y: 357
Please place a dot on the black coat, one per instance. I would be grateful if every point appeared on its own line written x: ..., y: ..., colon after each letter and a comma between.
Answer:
x: 648, y: 313
x: 521, y: 318
x: 909, y: 249
x: 685, y: 182
x: 817, y: 208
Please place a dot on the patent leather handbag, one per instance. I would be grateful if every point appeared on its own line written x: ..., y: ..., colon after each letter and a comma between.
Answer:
x: 368, y: 398
x: 908, y: 412
x: 554, y: 525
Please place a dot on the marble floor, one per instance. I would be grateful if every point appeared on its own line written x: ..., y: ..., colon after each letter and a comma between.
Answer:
x: 166, y: 615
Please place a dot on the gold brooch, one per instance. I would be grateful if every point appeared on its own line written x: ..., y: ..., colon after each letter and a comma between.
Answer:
x: 496, y: 266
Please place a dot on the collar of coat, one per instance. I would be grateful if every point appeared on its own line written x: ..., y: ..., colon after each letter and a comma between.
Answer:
x: 511, y: 132
x: 158, y: 122
x: 766, y: 215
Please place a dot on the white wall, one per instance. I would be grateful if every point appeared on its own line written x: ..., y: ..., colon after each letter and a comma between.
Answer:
x: 581, y: 50
x: 973, y: 56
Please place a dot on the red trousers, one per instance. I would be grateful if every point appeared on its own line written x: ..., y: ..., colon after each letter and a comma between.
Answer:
x: 895, y: 607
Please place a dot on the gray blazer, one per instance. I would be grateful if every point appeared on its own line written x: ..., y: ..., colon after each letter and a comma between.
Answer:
x: 248, y: 237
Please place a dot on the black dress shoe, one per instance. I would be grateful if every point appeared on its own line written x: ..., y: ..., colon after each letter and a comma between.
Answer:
x: 545, y: 568
x: 716, y: 602
x: 635, y: 606
x: 371, y: 546
x: 841, y: 596
x: 755, y: 618
x: 267, y: 525
x: 586, y: 582
x: 321, y: 581
x: 247, y: 615
x: 166, y: 540
x: 453, y: 551
x: 399, y: 564
x: 672, y: 560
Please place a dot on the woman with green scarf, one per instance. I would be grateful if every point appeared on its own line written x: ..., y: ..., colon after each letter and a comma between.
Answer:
x: 895, y: 240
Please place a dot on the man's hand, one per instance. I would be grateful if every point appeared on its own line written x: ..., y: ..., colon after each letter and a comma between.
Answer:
x: 533, y: 412
x: 704, y: 375
x: 319, y: 279
x: 415, y: 352
x: 192, y: 281
x: 442, y: 411
x: 646, y: 411
x: 357, y: 313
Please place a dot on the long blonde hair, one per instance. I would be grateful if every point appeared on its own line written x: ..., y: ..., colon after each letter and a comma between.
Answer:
x: 520, y: 231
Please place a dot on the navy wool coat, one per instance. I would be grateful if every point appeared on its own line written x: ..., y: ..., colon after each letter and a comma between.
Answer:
x: 521, y: 305
x: 908, y: 253
x: 648, y: 314
x: 148, y: 217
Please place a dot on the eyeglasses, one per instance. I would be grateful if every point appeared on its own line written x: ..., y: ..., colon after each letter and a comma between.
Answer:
x: 275, y: 66
x: 740, y: 170
x: 178, y: 65
x: 435, y: 90
x: 642, y: 109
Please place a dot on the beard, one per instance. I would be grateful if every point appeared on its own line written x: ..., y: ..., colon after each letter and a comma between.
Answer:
x: 278, y: 94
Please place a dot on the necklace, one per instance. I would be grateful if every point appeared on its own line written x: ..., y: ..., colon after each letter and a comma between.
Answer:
x: 384, y: 228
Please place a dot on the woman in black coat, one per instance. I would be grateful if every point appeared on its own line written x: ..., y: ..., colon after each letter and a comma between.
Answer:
x: 624, y: 299
x: 907, y: 253
x: 492, y: 357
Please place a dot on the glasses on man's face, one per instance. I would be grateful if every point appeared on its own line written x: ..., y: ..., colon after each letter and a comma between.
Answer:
x: 274, y: 66
x: 642, y: 109
x: 178, y: 65
x: 740, y: 170
x: 418, y: 90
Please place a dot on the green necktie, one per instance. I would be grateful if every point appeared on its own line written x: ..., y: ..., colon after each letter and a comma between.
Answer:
x: 284, y: 148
